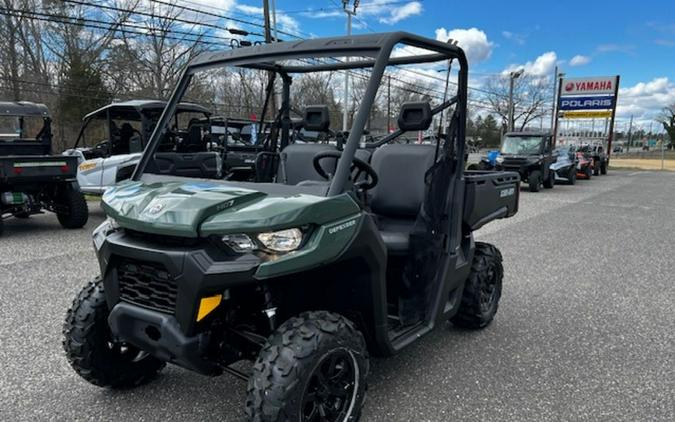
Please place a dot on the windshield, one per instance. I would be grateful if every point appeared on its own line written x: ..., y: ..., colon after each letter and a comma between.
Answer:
x: 24, y: 128
x: 524, y: 145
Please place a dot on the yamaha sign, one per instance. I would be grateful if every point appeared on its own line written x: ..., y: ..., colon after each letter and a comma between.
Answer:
x: 601, y: 102
x: 589, y: 86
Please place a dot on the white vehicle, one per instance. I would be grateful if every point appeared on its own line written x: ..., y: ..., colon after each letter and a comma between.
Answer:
x: 122, y: 130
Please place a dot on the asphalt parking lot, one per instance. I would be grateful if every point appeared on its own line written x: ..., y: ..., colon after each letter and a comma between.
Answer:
x: 585, y: 329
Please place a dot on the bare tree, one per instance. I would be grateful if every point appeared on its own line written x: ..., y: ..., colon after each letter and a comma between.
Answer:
x: 667, y: 119
x: 150, y: 64
x: 530, y: 97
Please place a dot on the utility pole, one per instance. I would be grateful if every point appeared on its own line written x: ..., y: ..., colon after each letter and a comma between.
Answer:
x: 630, y: 133
x: 555, y: 99
x: 512, y: 77
x: 270, y: 74
x: 345, y: 6
x: 274, y: 19
x: 388, y: 103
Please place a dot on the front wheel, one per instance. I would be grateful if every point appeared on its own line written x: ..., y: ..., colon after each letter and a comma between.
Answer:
x: 534, y: 180
x: 74, y: 212
x: 93, y: 353
x: 572, y: 177
x: 596, y: 168
x: 588, y: 172
x: 313, y: 368
x: 603, y: 168
x: 482, y: 289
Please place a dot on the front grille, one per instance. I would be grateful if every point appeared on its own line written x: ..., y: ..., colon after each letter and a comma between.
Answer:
x: 148, y: 285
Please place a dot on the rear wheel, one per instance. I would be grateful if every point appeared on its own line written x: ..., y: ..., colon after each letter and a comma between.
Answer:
x: 483, y: 288
x: 596, y: 168
x: 550, y: 181
x: 93, y: 353
x: 588, y: 172
x: 75, y: 211
x: 473, y: 167
x: 313, y: 368
x: 534, y: 179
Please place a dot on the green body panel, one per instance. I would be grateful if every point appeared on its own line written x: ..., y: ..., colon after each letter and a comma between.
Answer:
x: 202, y: 208
x: 324, y: 246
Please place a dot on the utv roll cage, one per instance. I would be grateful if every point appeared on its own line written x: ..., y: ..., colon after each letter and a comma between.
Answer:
x: 134, y: 110
x: 41, y: 144
x: 377, y: 50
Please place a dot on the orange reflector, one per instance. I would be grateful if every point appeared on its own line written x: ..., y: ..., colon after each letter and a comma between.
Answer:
x: 208, y: 304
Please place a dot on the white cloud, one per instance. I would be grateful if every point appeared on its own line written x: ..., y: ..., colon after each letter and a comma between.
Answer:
x: 473, y: 41
x: 397, y: 14
x: 580, y: 60
x: 517, y: 38
x: 645, y: 100
x: 541, y: 66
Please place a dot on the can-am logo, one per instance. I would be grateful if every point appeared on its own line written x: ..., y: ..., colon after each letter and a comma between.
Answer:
x: 155, y: 209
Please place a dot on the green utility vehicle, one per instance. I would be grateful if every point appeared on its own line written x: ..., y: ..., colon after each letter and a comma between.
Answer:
x: 333, y: 254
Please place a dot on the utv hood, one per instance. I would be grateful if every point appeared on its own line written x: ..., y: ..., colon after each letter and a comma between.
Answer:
x: 193, y: 209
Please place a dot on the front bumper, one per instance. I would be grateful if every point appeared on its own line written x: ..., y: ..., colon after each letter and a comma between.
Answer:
x: 171, y: 279
x: 160, y: 335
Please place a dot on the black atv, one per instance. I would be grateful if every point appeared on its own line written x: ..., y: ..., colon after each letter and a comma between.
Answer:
x: 340, y: 254
x: 530, y: 154
x: 32, y: 180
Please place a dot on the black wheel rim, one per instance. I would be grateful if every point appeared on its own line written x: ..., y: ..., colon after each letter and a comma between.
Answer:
x: 330, y: 392
x: 488, y: 291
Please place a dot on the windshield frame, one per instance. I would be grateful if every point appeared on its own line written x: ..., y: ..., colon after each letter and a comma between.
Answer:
x: 378, y: 46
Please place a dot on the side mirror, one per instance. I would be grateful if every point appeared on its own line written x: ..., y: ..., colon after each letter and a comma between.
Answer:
x: 414, y: 116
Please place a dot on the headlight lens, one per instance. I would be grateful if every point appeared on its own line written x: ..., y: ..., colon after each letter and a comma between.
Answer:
x: 281, y: 241
x: 240, y: 243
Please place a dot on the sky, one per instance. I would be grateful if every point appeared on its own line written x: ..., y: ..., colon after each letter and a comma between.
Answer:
x: 583, y: 38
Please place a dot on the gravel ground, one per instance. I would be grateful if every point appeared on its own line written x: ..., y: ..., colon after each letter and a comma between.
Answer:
x: 585, y: 329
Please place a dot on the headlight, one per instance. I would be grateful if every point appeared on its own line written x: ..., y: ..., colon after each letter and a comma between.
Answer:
x: 109, y: 225
x: 499, y: 159
x: 239, y: 242
x: 282, y: 240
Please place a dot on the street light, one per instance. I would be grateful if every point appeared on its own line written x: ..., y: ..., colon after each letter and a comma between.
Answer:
x: 349, y: 12
x: 512, y: 76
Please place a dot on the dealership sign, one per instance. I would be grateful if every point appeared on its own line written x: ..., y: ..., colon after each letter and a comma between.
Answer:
x: 586, y: 114
x: 598, y: 102
x: 589, y: 86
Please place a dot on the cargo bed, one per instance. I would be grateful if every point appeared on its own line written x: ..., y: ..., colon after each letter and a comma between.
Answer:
x: 489, y: 195
x: 18, y: 169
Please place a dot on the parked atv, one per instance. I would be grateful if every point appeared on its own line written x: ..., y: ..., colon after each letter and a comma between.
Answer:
x: 126, y: 127
x: 600, y: 161
x: 32, y: 180
x: 308, y: 273
x: 238, y: 139
x: 584, y: 166
x: 565, y: 167
x: 486, y: 163
x: 531, y: 155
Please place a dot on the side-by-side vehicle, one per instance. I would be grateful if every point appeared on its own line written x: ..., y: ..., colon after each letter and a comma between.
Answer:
x: 335, y: 253
x: 530, y: 154
x: 31, y: 179
x: 113, y: 137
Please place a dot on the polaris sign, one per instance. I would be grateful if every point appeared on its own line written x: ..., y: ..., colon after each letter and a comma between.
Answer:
x: 598, y: 102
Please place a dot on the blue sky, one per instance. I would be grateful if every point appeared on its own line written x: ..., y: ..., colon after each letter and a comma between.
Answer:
x: 584, y: 38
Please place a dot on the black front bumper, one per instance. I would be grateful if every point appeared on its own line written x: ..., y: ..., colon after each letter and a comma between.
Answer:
x: 160, y: 335
x: 180, y: 273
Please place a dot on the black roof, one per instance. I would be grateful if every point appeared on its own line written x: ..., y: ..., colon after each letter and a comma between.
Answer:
x: 267, y: 56
x: 145, y: 105
x: 23, y: 108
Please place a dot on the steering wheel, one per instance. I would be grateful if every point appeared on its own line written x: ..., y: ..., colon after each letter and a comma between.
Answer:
x: 358, y: 165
